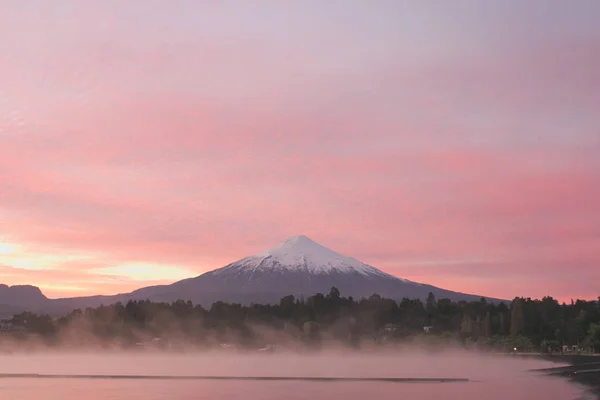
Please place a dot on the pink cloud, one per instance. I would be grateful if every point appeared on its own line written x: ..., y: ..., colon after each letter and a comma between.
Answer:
x: 191, y: 150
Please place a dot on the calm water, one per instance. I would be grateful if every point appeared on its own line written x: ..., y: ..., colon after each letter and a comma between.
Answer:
x: 493, y: 378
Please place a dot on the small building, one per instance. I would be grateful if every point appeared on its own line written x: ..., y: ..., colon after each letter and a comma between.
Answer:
x: 574, y: 348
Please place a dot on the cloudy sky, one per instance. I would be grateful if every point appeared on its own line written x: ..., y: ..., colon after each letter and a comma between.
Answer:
x: 453, y: 143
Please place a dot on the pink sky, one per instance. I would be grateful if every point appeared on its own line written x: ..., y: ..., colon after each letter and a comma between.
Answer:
x: 143, y: 142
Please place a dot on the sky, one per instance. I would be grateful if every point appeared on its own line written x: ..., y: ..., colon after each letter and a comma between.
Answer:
x: 451, y: 143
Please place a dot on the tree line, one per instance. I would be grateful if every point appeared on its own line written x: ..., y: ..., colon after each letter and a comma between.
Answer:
x: 530, y: 325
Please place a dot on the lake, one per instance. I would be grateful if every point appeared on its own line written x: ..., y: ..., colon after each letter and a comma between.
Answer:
x: 491, y: 378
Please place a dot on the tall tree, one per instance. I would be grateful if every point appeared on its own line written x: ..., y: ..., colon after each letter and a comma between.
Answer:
x: 516, y: 317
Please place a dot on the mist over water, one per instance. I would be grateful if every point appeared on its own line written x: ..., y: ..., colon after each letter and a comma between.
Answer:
x: 491, y: 377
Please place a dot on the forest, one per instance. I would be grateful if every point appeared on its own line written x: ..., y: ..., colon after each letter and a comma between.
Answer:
x: 529, y: 325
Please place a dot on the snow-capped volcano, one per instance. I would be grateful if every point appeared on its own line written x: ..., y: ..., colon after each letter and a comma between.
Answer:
x: 298, y: 266
x: 301, y: 254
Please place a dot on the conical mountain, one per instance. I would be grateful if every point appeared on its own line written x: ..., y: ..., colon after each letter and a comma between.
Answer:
x: 300, y: 267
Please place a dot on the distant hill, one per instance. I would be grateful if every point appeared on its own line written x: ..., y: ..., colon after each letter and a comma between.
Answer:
x: 20, y: 297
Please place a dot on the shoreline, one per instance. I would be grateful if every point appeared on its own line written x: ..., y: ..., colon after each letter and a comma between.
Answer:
x: 583, y: 370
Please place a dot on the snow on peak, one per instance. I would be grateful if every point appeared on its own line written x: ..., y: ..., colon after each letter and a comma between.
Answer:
x: 301, y: 246
x: 300, y: 253
x: 299, y: 239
